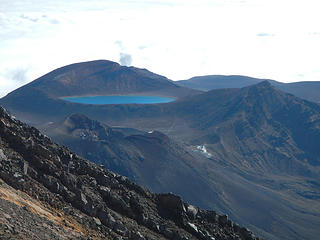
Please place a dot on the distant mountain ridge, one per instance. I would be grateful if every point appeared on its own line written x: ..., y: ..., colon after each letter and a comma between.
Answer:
x: 210, y: 82
x: 306, y: 90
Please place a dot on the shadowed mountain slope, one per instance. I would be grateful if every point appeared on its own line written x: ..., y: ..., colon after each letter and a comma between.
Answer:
x: 104, y: 77
x: 151, y: 159
x: 68, y: 197
x: 250, y: 168
x: 252, y: 120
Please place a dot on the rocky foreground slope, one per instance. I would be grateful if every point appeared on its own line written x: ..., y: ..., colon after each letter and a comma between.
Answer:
x: 47, y: 192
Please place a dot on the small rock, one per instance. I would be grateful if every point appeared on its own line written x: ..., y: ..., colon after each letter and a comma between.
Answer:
x: 17, y: 175
x: 192, y: 211
x: 83, y: 198
x: 120, y: 229
x: 97, y: 221
x: 138, y: 236
x: 105, y: 191
x: 2, y: 156
x: 193, y: 228
x: 9, y: 228
x: 223, y: 220
x: 25, y: 167
x: 7, y: 216
x: 167, y: 233
x: 210, y: 238
x: 106, y: 219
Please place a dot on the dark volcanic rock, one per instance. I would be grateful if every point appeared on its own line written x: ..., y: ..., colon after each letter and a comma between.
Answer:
x: 102, y: 204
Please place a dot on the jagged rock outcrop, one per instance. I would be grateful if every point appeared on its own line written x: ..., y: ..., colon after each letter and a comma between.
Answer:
x: 102, y: 204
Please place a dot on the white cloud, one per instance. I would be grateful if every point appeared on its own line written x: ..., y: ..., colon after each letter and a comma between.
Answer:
x: 18, y: 75
x: 125, y: 59
x: 263, y: 34
x: 176, y: 38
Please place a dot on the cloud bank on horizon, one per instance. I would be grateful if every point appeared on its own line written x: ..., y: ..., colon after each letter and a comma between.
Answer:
x: 178, y: 38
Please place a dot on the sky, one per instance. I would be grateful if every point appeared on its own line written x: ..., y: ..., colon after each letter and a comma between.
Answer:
x: 275, y: 39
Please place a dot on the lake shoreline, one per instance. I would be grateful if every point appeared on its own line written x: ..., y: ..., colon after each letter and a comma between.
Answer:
x: 118, y: 99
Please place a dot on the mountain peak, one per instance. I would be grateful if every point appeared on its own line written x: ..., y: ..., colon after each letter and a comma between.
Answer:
x: 263, y: 90
x: 264, y: 84
x: 103, y: 77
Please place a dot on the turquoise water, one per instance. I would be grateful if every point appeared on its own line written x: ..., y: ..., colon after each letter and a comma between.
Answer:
x: 119, y: 99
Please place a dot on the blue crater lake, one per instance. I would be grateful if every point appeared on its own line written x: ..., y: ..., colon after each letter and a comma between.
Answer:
x: 119, y: 99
